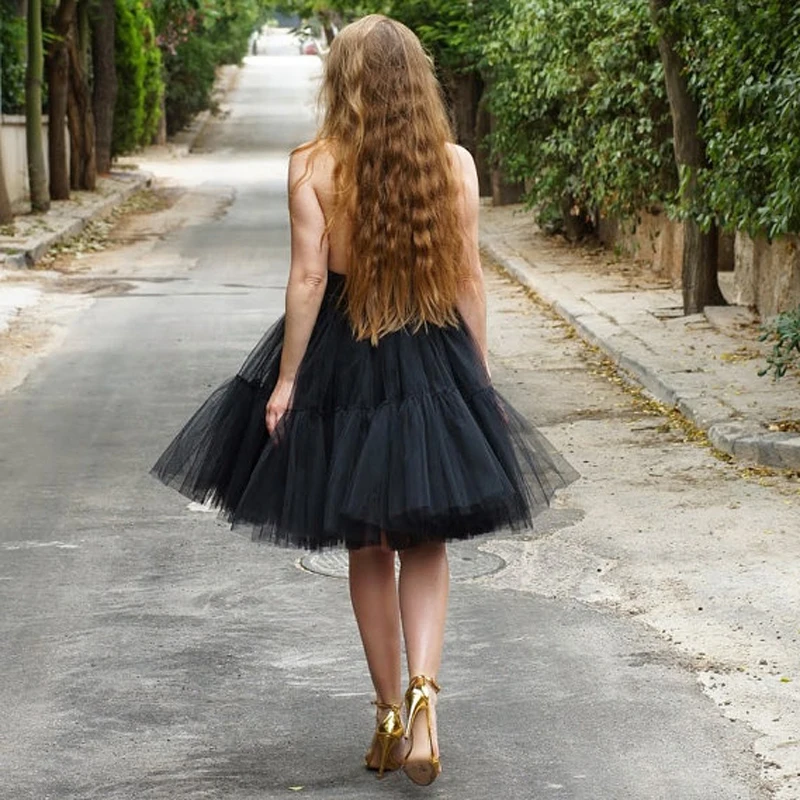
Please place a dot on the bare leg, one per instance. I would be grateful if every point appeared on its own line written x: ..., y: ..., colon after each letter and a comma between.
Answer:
x: 424, y: 588
x: 373, y: 593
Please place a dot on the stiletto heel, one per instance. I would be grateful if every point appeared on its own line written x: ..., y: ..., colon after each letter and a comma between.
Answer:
x: 418, y: 698
x: 388, y: 733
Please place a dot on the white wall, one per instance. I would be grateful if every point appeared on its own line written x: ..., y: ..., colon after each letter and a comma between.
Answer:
x: 15, y: 154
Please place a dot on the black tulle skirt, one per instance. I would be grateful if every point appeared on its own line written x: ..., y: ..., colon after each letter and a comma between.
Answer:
x: 404, y: 442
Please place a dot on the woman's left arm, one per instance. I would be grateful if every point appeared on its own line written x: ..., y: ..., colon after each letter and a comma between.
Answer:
x: 472, y: 294
x: 308, y: 276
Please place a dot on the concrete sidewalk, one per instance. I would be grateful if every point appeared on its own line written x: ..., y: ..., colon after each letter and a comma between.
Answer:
x: 32, y: 235
x: 704, y: 365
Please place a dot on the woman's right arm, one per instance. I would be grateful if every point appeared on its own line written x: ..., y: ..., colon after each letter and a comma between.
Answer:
x: 308, y: 275
x: 472, y: 296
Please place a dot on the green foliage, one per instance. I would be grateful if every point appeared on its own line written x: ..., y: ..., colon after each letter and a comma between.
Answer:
x: 12, y: 59
x: 153, y: 83
x: 744, y: 67
x: 578, y: 94
x: 131, y: 66
x: 139, y: 71
x: 784, y: 333
x: 196, y: 36
x: 231, y: 26
x: 190, y: 78
x: 447, y: 28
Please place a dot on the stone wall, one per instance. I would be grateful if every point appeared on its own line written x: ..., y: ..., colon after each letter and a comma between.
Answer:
x: 766, y: 274
x: 655, y: 239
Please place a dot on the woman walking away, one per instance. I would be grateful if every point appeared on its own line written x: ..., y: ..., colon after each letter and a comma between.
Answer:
x: 383, y: 431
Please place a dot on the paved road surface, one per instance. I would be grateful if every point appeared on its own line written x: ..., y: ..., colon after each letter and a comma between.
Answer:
x: 148, y: 653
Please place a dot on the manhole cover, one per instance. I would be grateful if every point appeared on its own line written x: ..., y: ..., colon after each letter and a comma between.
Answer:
x: 466, y: 562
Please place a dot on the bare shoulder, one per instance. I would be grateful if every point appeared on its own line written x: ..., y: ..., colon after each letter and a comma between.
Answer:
x: 302, y: 158
x: 462, y: 155
x: 312, y: 163
x: 465, y: 165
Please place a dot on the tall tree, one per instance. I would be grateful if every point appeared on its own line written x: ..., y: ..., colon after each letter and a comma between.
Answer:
x: 37, y: 173
x: 57, y: 64
x: 104, y: 72
x: 699, y: 267
x: 80, y: 116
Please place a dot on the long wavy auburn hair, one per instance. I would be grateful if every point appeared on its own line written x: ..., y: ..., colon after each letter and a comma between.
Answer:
x: 394, y: 178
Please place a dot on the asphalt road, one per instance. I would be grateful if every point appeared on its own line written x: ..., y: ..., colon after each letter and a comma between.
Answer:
x: 149, y: 653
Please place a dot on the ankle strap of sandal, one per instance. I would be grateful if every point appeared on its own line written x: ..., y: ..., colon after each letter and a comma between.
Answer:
x: 418, y: 681
x: 386, y: 706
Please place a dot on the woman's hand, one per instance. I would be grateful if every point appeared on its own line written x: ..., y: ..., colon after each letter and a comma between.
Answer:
x: 279, y: 403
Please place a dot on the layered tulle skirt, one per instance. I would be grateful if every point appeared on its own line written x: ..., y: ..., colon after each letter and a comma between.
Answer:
x: 403, y: 442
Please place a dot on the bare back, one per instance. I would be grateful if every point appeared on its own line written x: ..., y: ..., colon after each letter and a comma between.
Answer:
x: 321, y: 180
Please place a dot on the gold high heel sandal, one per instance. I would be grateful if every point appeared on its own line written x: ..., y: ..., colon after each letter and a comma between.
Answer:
x: 418, y: 698
x: 388, y: 733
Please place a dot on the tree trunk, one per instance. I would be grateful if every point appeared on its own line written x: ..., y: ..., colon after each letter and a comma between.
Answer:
x: 84, y: 33
x: 465, y: 96
x: 483, y: 124
x: 104, y: 69
x: 81, y: 118
x: 37, y: 172
x: 6, y: 214
x: 161, y: 133
x: 57, y: 63
x: 699, y: 269
x: 467, y: 100
x: 504, y: 192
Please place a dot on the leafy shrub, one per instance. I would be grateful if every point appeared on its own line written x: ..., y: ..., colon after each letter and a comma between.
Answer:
x: 744, y: 66
x: 139, y: 71
x: 12, y: 59
x: 581, y: 109
x: 784, y: 333
x: 194, y: 39
x: 447, y: 28
x: 231, y: 30
x: 131, y: 67
x: 190, y: 77
x: 580, y: 105
x: 153, y: 83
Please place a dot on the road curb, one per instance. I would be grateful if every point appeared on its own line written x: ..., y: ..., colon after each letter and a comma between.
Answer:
x: 66, y: 223
x: 745, y: 439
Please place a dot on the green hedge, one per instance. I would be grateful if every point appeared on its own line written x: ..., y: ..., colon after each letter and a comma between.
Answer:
x: 139, y: 73
x: 577, y: 90
x: 12, y: 56
x: 581, y: 108
x: 153, y: 83
x: 190, y: 71
x: 744, y: 64
x: 195, y: 39
x: 580, y: 105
